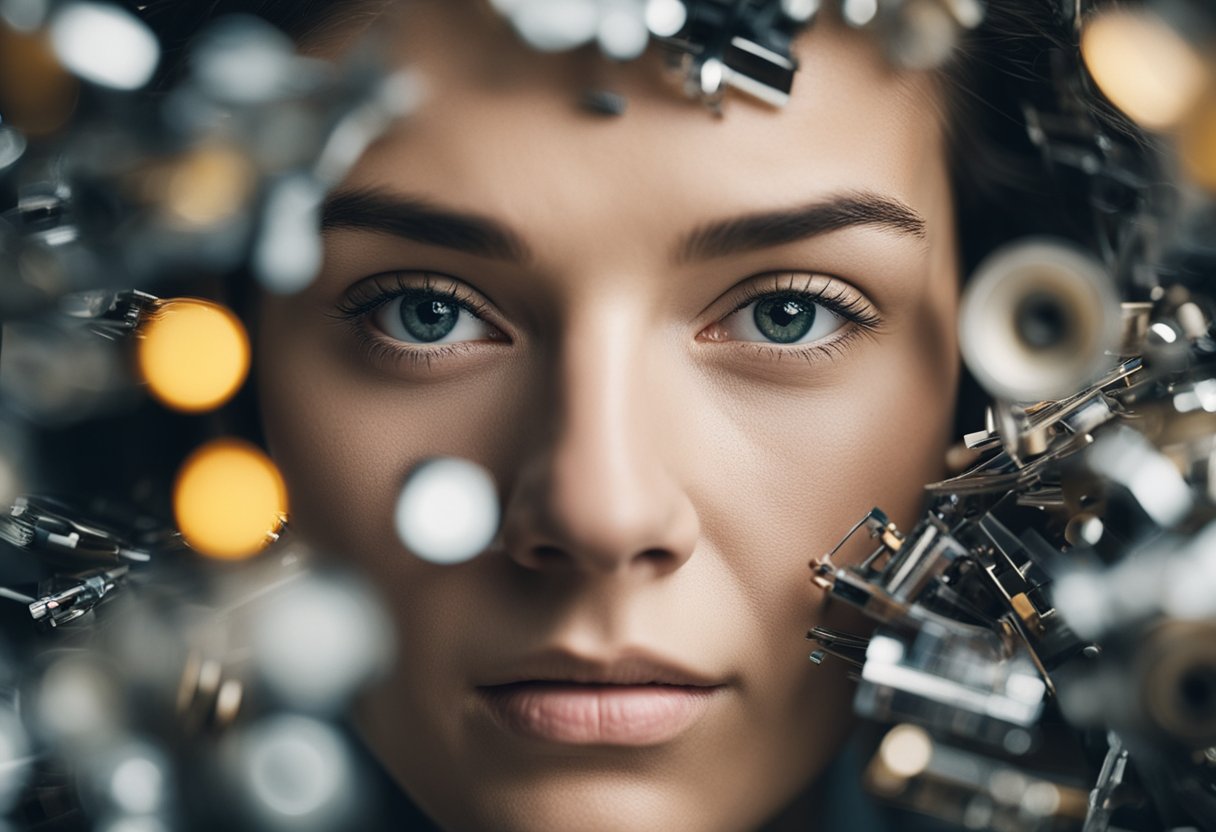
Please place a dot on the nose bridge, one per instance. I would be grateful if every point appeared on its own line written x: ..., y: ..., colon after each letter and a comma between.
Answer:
x: 600, y: 385
x: 598, y: 493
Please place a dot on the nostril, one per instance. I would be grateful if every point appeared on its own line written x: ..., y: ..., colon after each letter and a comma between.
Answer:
x: 547, y: 554
x: 656, y: 555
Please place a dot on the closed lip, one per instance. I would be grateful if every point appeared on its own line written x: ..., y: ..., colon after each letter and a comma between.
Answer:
x: 632, y: 699
x: 630, y: 666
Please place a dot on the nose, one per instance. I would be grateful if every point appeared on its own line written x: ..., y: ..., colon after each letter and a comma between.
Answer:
x: 597, y: 491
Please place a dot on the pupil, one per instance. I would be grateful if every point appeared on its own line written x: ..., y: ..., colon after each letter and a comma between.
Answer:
x: 784, y: 320
x: 430, y: 319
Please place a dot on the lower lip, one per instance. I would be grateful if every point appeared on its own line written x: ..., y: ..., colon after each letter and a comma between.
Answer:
x: 576, y: 714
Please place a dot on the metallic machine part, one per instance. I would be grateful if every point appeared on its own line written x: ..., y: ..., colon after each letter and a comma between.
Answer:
x: 1058, y: 593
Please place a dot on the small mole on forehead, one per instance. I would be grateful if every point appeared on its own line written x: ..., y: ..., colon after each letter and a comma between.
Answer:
x: 603, y: 102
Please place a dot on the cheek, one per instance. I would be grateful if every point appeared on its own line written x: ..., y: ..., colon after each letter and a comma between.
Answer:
x: 804, y: 464
x: 345, y: 436
x: 803, y: 467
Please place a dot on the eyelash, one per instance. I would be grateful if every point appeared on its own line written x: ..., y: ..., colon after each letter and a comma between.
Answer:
x: 368, y: 296
x: 862, y: 320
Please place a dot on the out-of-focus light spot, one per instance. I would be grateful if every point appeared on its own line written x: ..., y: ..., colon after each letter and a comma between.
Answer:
x: 859, y: 12
x: 1079, y: 599
x: 978, y: 814
x: 1146, y: 68
x: 12, y: 146
x: 622, y: 33
x: 800, y: 10
x: 1197, y: 142
x: 906, y: 751
x: 398, y: 95
x: 288, y: 252
x: 193, y: 354
x: 316, y: 640
x: 133, y: 824
x: 1041, y: 799
x: 1164, y: 331
x: 1017, y: 741
x: 137, y: 784
x: 929, y: 33
x: 10, y: 475
x: 244, y: 60
x: 1129, y: 459
x: 448, y: 510
x: 1085, y: 529
x: 295, y: 767
x: 713, y: 74
x: 969, y: 13
x: 229, y: 499
x: 105, y: 44
x: 24, y: 15
x: 37, y: 94
x: 665, y: 18
x: 228, y: 701
x: 1007, y: 786
x: 15, y: 761
x: 555, y: 25
x: 76, y: 702
x: 209, y: 185
x: 884, y: 650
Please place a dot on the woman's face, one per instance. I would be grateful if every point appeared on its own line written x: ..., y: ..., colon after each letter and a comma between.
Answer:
x: 691, y: 350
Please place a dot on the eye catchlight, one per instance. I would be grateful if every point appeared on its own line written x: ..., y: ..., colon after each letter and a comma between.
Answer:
x: 1040, y: 657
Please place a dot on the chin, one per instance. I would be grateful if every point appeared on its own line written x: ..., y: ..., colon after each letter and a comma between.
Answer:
x: 616, y: 803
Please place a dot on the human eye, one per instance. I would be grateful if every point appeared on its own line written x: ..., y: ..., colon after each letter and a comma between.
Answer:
x: 789, y: 314
x: 417, y: 316
x: 429, y: 317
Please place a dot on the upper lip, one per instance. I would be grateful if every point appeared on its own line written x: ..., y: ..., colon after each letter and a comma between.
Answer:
x: 623, y: 667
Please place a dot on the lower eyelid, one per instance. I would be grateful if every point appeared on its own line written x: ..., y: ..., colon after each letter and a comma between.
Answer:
x: 831, y: 348
x: 382, y: 350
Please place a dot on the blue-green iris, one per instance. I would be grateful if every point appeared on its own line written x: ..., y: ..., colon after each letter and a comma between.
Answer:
x: 784, y: 319
x: 428, y: 318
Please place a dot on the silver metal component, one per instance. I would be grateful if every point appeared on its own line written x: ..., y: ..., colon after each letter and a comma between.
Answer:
x: 1069, y: 570
x: 1038, y: 321
x: 45, y: 526
x: 950, y: 678
x: 82, y: 593
x: 847, y: 647
x: 1110, y: 778
x: 110, y: 314
x: 932, y: 776
x: 1127, y: 458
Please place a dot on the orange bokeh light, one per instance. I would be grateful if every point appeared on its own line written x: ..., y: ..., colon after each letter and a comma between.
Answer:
x: 229, y: 499
x: 193, y: 354
x: 1143, y: 66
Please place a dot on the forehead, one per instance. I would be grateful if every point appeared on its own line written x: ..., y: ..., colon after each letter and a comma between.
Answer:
x: 501, y: 132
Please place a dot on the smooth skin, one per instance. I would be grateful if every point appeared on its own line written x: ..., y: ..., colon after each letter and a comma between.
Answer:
x: 666, y: 469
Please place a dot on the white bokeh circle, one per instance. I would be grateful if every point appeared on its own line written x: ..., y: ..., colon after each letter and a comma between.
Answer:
x: 448, y: 510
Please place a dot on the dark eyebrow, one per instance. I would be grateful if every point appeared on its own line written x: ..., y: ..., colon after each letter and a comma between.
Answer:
x: 371, y: 209
x: 774, y: 228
